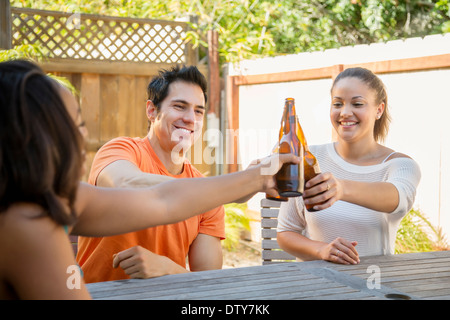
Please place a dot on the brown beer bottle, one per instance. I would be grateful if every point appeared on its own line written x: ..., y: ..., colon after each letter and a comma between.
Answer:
x: 311, y: 165
x: 290, y: 180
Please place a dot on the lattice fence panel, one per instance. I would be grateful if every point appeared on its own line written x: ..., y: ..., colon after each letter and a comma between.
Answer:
x: 85, y: 36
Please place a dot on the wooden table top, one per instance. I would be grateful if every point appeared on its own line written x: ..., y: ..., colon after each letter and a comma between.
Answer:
x: 402, y: 276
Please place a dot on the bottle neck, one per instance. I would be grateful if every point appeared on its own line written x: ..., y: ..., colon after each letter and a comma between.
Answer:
x: 289, y: 117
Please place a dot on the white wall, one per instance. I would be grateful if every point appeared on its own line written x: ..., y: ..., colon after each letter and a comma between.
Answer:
x: 420, y: 110
x: 419, y: 102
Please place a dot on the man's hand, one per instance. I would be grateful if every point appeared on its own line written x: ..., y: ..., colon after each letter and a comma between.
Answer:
x: 140, y: 263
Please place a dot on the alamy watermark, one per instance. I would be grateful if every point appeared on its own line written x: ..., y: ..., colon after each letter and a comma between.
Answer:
x: 74, y: 21
x: 251, y: 142
x: 374, y: 279
x: 74, y: 279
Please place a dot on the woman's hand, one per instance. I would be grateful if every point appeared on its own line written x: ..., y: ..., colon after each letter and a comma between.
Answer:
x: 323, y: 191
x: 340, y: 251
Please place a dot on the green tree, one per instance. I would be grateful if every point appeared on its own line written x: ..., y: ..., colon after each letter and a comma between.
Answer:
x: 236, y: 221
x: 255, y: 28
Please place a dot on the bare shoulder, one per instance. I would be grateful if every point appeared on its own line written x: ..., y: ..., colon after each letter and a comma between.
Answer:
x: 390, y: 154
x: 26, y: 225
x: 397, y: 155
x: 38, y: 250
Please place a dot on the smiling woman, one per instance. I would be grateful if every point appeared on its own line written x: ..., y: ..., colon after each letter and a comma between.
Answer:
x: 354, y: 110
x: 373, y: 92
x: 366, y: 188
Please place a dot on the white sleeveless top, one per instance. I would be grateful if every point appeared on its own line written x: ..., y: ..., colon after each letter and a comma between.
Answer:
x: 374, y: 231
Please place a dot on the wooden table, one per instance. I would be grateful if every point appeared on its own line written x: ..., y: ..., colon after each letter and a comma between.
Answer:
x: 403, y: 276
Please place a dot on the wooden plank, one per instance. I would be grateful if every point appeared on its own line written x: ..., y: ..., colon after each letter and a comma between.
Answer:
x: 269, y: 244
x: 214, y: 72
x: 140, y: 100
x: 108, y: 67
x: 109, y: 88
x: 269, y: 223
x: 127, y: 107
x: 266, y: 203
x: 269, y: 213
x: 268, y: 233
x: 406, y: 65
x: 117, y: 19
x: 90, y: 104
x: 276, y: 255
x: 288, y: 76
x: 232, y: 102
x: 5, y: 25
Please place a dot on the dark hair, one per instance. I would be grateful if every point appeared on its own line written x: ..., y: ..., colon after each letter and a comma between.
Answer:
x: 40, y: 145
x: 381, y: 127
x: 158, y: 88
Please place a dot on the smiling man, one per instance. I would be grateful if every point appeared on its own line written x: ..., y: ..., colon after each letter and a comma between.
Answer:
x: 175, y: 109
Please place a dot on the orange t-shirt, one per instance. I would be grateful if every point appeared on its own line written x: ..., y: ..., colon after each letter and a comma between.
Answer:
x: 95, y: 255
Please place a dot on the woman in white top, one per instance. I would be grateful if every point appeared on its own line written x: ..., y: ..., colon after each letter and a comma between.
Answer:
x: 365, y: 188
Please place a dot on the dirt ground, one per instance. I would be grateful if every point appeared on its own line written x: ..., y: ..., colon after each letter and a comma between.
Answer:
x: 246, y: 254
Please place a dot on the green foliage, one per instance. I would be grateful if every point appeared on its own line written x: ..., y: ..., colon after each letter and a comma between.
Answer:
x: 25, y: 51
x: 254, y: 28
x: 34, y: 53
x: 417, y: 234
x: 235, y: 222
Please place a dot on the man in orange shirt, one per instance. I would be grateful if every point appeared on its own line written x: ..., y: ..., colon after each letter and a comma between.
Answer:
x: 175, y: 110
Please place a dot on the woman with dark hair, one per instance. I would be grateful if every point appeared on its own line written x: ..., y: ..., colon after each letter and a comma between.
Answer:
x: 41, y: 198
x: 366, y: 188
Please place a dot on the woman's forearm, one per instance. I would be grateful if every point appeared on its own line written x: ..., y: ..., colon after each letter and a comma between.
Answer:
x: 324, y: 190
x: 109, y: 211
x: 299, y: 245
x: 202, y: 194
x: 378, y: 196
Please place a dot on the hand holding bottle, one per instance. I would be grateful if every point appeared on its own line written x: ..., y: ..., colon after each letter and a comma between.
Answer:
x: 322, y: 191
x: 267, y: 169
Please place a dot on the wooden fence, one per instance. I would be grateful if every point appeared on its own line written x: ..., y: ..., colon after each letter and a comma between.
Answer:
x: 109, y: 60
